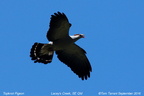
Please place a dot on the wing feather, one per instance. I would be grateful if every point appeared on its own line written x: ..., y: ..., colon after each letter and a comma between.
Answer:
x: 75, y: 58
x: 59, y: 27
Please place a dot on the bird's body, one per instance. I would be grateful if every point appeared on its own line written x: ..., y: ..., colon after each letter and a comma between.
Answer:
x: 64, y: 46
x: 62, y: 43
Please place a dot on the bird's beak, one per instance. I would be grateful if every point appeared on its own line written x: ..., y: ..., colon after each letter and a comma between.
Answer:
x: 82, y: 35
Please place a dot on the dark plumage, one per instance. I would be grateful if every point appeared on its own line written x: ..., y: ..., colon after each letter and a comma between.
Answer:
x: 64, y: 46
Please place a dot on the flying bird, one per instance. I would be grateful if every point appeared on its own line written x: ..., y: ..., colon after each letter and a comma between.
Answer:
x: 64, y: 46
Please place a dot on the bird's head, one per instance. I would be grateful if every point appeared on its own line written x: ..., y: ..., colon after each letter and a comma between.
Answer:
x: 79, y: 35
x: 76, y: 37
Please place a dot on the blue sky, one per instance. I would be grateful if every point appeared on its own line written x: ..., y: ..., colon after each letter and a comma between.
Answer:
x: 114, y: 31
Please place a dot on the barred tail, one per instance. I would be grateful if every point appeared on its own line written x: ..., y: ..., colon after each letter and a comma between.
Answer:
x: 42, y: 53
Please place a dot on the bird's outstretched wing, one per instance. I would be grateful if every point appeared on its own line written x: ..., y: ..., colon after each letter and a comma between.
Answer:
x: 75, y: 58
x: 59, y: 27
